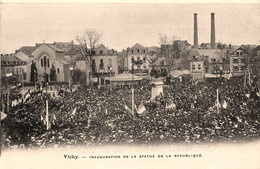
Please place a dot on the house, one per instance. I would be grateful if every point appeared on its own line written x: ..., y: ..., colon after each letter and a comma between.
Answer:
x: 104, y: 64
x: 238, y: 60
x: 136, y: 53
x: 12, y: 64
x: 196, y: 64
x: 216, y: 61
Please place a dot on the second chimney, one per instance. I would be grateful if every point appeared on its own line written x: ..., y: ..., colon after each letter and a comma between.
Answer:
x: 212, y: 39
x: 195, y: 31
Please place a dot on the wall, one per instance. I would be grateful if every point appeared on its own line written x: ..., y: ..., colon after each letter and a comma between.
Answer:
x: 238, y: 60
x: 144, y: 66
x: 197, y: 73
x: 106, y: 63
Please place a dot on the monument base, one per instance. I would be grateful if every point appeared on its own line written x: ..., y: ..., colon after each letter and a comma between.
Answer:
x: 157, y: 88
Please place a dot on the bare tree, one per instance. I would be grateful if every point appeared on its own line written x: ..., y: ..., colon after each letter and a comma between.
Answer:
x: 87, y: 44
x: 224, y: 56
x: 171, y: 51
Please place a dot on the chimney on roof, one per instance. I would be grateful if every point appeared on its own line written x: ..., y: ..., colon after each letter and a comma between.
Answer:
x: 212, y: 39
x: 195, y: 31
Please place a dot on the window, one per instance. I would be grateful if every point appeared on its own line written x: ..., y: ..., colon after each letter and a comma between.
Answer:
x: 101, y: 66
x: 193, y: 67
x: 162, y: 62
x: 93, y: 65
x: 109, y: 63
x: 48, y: 63
x: 41, y: 62
x: 137, y: 50
x: 235, y: 68
x: 101, y: 52
x: 235, y: 60
x: 132, y: 59
x: 199, y: 67
x: 144, y: 59
x: 206, y: 69
x: 213, y: 60
x: 144, y: 51
x: 44, y: 61
x: 132, y: 51
x: 58, y: 70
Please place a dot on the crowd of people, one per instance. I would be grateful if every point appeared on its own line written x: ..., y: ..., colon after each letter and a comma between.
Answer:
x: 90, y: 115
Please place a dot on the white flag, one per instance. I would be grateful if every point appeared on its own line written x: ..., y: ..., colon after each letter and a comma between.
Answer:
x: 3, y: 116
x: 141, y: 109
x: 224, y: 104
x: 74, y: 111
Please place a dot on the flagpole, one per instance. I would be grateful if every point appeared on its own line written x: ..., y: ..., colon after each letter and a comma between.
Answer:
x: 47, y: 115
x: 217, y: 102
x: 133, y: 104
x: 245, y: 80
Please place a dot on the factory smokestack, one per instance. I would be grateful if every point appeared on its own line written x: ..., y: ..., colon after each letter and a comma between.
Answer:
x: 195, y: 31
x: 212, y: 40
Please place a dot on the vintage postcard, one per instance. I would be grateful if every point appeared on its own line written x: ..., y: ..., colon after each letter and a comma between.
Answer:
x: 149, y: 84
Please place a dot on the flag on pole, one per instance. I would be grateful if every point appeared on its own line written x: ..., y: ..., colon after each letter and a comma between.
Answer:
x: 141, y: 110
x: 3, y: 116
x: 221, y: 102
x: 74, y: 111
x: 224, y: 105
x: 128, y: 111
x: 41, y: 118
x: 217, y: 102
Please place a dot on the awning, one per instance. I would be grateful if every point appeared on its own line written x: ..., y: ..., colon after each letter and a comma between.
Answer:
x: 125, y: 78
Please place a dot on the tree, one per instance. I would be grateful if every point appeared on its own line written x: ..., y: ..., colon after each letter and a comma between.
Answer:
x: 224, y: 55
x: 171, y: 50
x: 34, y: 73
x: 79, y: 76
x: 53, y: 75
x: 87, y: 44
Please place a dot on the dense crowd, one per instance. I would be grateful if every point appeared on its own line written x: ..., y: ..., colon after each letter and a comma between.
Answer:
x: 92, y: 115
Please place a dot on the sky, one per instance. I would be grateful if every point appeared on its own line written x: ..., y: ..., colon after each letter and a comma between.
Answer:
x: 123, y: 25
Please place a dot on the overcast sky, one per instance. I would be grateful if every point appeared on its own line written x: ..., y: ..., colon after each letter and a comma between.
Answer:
x: 123, y: 25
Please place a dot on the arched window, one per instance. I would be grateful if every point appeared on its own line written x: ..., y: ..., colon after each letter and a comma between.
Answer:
x: 44, y: 61
x: 48, y: 63
x: 41, y: 62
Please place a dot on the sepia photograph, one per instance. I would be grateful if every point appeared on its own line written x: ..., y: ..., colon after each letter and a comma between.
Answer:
x: 133, y: 84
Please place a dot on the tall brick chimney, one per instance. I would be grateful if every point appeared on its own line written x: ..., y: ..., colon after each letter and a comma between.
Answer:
x: 212, y: 39
x: 195, y: 31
